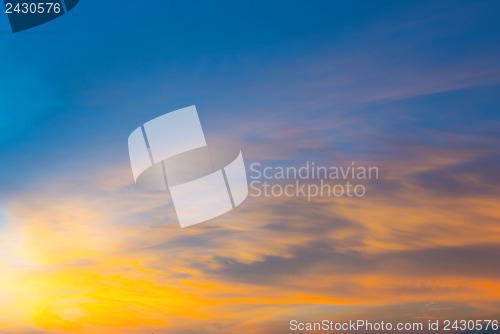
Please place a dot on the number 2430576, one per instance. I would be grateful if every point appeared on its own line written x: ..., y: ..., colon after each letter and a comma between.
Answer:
x: 33, y: 8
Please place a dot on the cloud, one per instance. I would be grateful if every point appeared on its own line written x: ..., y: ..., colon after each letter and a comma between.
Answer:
x: 480, y: 261
x: 478, y: 177
x: 83, y: 250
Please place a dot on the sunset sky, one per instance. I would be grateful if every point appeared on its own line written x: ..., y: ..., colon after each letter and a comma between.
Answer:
x: 412, y: 87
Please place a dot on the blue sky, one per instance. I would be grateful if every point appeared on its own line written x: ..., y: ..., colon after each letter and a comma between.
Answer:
x: 344, y: 77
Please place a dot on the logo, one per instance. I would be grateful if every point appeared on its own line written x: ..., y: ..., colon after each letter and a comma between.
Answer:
x: 26, y: 14
x: 170, y: 153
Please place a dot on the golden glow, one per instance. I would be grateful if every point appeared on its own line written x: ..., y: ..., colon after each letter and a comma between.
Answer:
x: 81, y: 263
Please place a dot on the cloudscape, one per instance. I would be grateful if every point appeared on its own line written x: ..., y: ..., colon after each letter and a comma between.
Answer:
x: 411, y: 88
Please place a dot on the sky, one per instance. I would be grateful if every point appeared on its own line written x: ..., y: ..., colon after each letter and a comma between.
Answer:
x: 412, y: 87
